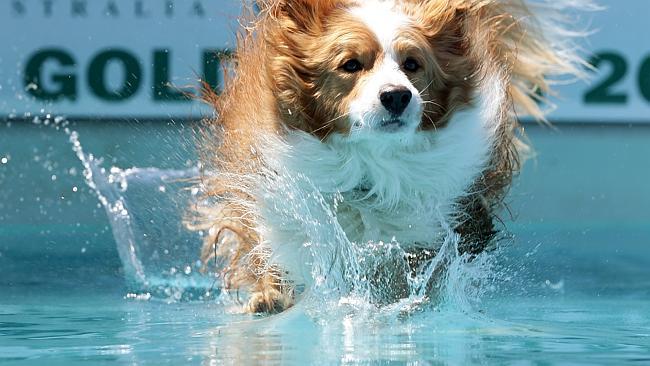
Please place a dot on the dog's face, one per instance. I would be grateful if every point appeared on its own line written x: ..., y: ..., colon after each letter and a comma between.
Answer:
x: 371, y: 69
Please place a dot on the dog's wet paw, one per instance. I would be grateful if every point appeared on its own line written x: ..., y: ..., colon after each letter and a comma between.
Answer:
x: 270, y: 301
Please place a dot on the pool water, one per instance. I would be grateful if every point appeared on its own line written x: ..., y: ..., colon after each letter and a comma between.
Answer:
x: 63, y: 317
x: 572, y: 285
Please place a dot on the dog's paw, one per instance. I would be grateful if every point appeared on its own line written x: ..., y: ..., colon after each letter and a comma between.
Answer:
x: 269, y: 301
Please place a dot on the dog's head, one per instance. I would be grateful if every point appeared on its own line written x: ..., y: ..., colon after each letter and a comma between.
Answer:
x: 370, y: 68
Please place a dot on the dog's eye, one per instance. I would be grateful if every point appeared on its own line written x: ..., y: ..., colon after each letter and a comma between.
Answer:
x: 411, y: 65
x: 352, y: 66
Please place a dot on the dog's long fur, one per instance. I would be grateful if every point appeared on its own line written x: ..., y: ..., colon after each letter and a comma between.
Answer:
x: 283, y: 111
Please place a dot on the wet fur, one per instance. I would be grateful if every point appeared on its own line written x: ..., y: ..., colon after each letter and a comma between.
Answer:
x: 281, y: 80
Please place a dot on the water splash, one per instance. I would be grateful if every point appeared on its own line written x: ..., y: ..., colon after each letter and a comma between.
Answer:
x: 366, y: 277
x: 377, y: 279
x: 145, y: 207
x: 96, y: 178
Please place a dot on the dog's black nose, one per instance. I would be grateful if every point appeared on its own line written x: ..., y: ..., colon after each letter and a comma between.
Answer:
x: 395, y: 99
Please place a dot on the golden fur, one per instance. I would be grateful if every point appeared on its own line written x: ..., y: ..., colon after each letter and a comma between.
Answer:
x: 285, y: 74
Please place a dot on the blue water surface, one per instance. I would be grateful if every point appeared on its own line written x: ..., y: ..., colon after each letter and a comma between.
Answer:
x: 84, y: 316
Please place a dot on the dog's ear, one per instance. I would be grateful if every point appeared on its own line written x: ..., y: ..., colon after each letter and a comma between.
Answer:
x: 444, y: 23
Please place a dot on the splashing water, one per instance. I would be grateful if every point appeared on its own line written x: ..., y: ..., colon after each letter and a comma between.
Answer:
x: 370, y: 277
x: 145, y: 207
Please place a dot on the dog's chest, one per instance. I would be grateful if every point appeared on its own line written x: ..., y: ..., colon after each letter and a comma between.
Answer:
x: 415, y: 221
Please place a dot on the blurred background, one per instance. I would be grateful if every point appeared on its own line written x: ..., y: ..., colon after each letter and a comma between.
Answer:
x: 119, y: 73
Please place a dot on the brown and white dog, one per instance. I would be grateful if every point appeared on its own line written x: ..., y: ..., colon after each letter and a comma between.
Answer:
x: 402, y: 114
